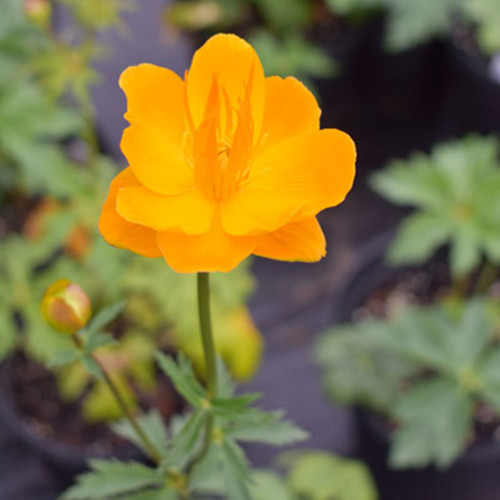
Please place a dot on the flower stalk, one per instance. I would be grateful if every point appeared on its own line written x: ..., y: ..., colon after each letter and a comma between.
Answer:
x: 149, y: 447
x: 206, y: 333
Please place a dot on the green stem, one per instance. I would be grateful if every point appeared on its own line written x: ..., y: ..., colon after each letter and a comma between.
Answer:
x: 486, y: 278
x: 207, y: 339
x: 206, y: 333
x: 150, y: 448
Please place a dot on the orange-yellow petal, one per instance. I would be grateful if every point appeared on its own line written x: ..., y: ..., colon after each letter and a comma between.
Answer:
x: 236, y: 66
x: 298, y: 176
x: 155, y: 99
x: 120, y: 233
x: 157, y: 161
x: 302, y: 241
x: 190, y: 212
x: 212, y: 251
x: 290, y: 109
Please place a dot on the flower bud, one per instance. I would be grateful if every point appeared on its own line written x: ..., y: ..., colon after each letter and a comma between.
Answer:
x: 66, y: 307
x: 39, y: 12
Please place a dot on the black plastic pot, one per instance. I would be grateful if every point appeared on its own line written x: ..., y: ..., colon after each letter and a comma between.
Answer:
x: 65, y: 459
x: 474, y: 476
x: 389, y: 102
x: 472, y: 103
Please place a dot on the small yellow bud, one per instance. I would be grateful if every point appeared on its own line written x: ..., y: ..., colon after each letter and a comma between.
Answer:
x: 66, y: 307
x: 38, y: 12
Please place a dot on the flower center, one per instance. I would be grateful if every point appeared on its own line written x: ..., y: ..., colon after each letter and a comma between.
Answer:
x: 219, y: 149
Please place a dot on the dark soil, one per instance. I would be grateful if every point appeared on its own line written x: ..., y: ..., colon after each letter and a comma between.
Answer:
x: 423, y: 286
x: 38, y: 403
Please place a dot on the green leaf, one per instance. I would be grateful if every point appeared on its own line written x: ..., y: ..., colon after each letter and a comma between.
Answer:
x: 185, y: 443
x: 227, y: 407
x: 269, y: 428
x: 411, y: 182
x: 92, y: 366
x: 455, y: 191
x: 489, y: 373
x: 472, y: 334
x: 225, y: 385
x: 359, y: 367
x: 111, y: 478
x: 62, y: 358
x: 105, y: 316
x: 285, y: 15
x: 182, y: 376
x: 236, y: 473
x: 319, y: 475
x: 97, y: 340
x: 267, y: 485
x: 434, y: 421
x: 151, y: 423
x: 465, y: 252
x: 156, y: 494
x: 411, y: 23
x: 418, y: 237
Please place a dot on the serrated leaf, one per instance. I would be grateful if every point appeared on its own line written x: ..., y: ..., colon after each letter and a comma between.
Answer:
x: 92, y: 366
x: 184, y: 444
x: 105, y: 316
x: 228, y: 407
x: 267, y: 428
x: 236, y: 473
x: 183, y: 378
x: 489, y: 373
x: 434, y: 421
x: 151, y: 423
x: 358, y: 368
x: 110, y: 478
x: 418, y: 237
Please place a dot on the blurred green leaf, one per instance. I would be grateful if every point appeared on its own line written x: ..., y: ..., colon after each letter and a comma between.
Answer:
x: 434, y: 421
x: 454, y: 191
x: 111, y: 478
x: 318, y: 475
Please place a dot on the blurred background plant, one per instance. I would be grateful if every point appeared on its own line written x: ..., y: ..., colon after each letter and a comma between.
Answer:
x: 291, y: 35
x: 426, y: 355
x: 53, y: 180
x: 315, y: 475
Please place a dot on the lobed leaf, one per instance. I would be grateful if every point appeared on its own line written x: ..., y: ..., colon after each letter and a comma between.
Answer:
x: 112, y: 478
x: 182, y: 376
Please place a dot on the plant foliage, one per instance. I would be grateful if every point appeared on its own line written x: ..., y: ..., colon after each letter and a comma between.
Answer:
x: 441, y: 363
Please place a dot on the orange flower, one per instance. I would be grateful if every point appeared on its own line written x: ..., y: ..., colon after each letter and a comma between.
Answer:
x: 224, y: 164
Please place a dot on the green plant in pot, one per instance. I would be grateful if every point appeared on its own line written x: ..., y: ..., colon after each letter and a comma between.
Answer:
x: 421, y: 352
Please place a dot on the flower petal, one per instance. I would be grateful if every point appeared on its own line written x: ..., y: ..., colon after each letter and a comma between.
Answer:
x: 298, y: 176
x: 120, y: 233
x: 290, y: 109
x: 190, y: 212
x: 212, y: 251
x: 155, y: 99
x: 235, y: 65
x: 157, y: 161
x: 298, y: 241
